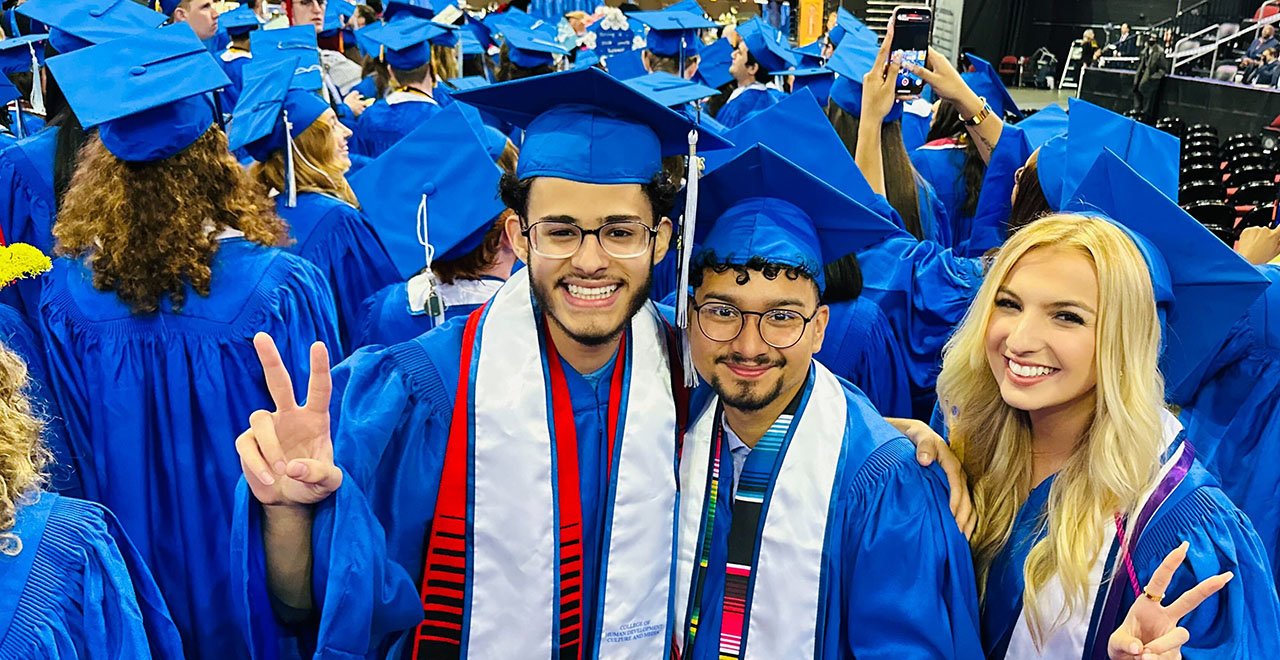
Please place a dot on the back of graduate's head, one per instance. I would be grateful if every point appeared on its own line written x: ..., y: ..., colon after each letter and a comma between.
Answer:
x: 24, y: 458
x: 1029, y: 202
x: 508, y: 70
x: 947, y: 124
x: 671, y: 64
x: 444, y: 62
x: 494, y: 252
x: 148, y: 229
x: 899, y: 173
x: 320, y: 161
x: 1064, y: 332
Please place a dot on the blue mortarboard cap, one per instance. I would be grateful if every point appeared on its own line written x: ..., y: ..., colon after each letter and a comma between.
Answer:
x: 766, y: 45
x: 713, y: 65
x: 626, y: 65
x: 147, y: 96
x: 479, y: 30
x: 529, y: 48
x: 15, y: 53
x: 257, y: 124
x: 672, y: 32
x: 584, y: 125
x: 165, y: 7
x: 1063, y: 161
x: 239, y: 21
x: 294, y: 43
x: 798, y: 129
x: 810, y: 55
x: 407, y: 40
x: 335, y: 14
x: 446, y: 162
x: 468, y: 82
x: 416, y: 8
x: 76, y: 24
x: 985, y: 82
x: 366, y: 39
x: 669, y: 89
x: 7, y: 91
x: 684, y: 6
x: 759, y: 204
x: 848, y: 25
x: 851, y: 61
x: 1201, y: 285
x: 470, y: 44
x: 585, y: 58
x: 818, y: 80
x: 1049, y: 122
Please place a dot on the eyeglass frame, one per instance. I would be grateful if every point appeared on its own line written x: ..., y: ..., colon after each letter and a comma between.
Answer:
x: 582, y: 237
x: 742, y: 324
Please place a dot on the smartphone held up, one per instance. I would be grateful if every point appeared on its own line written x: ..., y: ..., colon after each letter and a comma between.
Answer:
x: 912, y: 29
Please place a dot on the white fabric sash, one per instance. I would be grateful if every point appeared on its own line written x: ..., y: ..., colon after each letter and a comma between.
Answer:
x: 787, y: 576
x: 396, y: 98
x: 514, y: 597
x: 229, y: 55
x: 1068, y: 640
x: 459, y: 292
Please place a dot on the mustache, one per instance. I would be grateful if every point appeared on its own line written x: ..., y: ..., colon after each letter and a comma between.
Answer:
x: 758, y: 361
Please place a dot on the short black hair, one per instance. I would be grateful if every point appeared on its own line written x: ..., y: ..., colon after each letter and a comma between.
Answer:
x: 660, y: 191
x: 770, y: 270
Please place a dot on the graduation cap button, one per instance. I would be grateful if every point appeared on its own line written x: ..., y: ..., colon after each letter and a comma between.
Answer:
x: 137, y: 70
x: 97, y: 12
x: 429, y: 188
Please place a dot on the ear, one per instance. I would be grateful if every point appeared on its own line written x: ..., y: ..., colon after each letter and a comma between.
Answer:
x: 647, y: 58
x: 515, y: 237
x: 662, y: 239
x: 819, y: 323
x: 180, y: 15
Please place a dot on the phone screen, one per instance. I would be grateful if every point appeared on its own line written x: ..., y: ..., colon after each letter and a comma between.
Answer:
x: 911, y: 39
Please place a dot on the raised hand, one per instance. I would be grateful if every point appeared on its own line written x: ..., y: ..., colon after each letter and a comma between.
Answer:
x: 1150, y: 631
x: 879, y: 85
x: 287, y: 455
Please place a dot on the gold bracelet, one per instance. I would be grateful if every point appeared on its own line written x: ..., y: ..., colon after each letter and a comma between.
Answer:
x: 981, y: 116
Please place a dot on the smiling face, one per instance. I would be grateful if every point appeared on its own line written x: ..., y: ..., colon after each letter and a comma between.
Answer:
x: 741, y: 71
x: 1041, y: 336
x: 308, y: 11
x: 340, y: 133
x: 747, y: 372
x: 590, y: 295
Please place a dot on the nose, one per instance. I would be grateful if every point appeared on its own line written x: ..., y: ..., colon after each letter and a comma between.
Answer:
x: 749, y: 343
x: 1024, y: 335
x: 590, y: 257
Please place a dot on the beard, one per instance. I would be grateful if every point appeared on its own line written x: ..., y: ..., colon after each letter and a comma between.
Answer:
x: 744, y: 396
x: 592, y: 336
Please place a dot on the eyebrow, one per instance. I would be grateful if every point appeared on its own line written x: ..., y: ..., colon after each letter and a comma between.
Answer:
x: 773, y: 304
x: 606, y: 220
x: 1055, y: 305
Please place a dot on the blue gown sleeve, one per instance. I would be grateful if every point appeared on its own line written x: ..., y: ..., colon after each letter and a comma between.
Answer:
x: 354, y: 262
x: 861, y: 348
x: 1243, y: 619
x: 899, y: 509
x: 26, y: 211
x: 990, y: 224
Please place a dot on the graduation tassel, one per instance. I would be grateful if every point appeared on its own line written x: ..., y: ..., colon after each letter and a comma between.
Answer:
x: 290, y: 176
x: 37, y: 90
x: 433, y: 306
x: 690, y: 220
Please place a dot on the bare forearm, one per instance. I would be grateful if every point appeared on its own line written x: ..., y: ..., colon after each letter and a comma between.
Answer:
x: 986, y: 134
x: 286, y: 537
x: 869, y: 158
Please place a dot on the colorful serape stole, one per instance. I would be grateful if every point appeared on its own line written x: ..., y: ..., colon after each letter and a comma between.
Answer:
x: 744, y: 533
x: 708, y: 525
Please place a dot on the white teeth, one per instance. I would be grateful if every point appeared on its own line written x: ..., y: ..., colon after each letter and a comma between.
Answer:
x: 592, y: 293
x: 1029, y: 371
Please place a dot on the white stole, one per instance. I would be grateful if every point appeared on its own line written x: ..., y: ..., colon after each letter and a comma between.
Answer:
x: 787, y: 577
x: 514, y: 607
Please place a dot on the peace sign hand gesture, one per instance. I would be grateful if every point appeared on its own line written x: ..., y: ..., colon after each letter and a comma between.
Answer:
x: 287, y: 455
x: 1151, y: 631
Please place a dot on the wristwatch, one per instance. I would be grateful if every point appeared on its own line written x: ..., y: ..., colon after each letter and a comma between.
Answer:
x: 981, y: 116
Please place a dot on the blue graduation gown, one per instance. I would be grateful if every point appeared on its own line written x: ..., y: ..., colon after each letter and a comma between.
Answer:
x: 368, y: 87
x: 337, y: 238
x: 941, y: 163
x: 747, y: 104
x: 79, y: 589
x: 915, y: 130
x: 1232, y: 414
x: 234, y: 68
x: 27, y: 209
x: 383, y: 124
x: 933, y: 217
x: 16, y: 334
x: 1241, y: 621
x: 385, y: 318
x: 391, y: 413
x: 860, y: 347
x: 155, y: 402
x: 885, y: 506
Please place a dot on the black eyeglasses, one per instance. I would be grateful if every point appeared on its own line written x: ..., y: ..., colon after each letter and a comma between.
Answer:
x: 779, y: 328
x: 561, y: 240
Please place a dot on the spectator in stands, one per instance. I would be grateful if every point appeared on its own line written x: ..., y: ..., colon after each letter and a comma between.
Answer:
x: 1253, y: 57
x: 1089, y: 44
x: 1152, y: 68
x: 1127, y: 44
x: 1266, y: 72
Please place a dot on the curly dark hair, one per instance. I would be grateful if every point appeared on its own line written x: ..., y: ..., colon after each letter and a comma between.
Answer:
x: 147, y: 230
x: 661, y: 192
x: 770, y: 270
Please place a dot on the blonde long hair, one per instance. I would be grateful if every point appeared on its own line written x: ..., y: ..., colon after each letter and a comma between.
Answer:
x: 1120, y: 452
x: 23, y: 456
x: 316, y: 165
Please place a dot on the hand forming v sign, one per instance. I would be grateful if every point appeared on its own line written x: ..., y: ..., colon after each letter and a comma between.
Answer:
x: 287, y: 455
x: 1150, y: 631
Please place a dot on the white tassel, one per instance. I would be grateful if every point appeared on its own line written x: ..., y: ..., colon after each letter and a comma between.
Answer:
x: 21, y: 129
x: 434, y: 306
x: 37, y: 91
x: 687, y: 226
x: 290, y: 176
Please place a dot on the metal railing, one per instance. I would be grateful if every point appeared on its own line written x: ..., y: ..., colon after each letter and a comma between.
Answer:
x: 1187, y: 56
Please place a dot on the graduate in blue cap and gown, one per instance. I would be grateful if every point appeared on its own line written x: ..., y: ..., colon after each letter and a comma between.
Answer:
x: 410, y: 103
x: 36, y: 170
x: 1046, y: 123
x: 411, y: 422
x: 24, y: 54
x: 953, y: 164
x: 1099, y: 533
x: 527, y: 52
x: 861, y: 345
x: 238, y: 23
x: 458, y: 252
x: 785, y: 443
x: 167, y: 273
x: 74, y: 585
x: 672, y: 43
x: 760, y: 55
x: 300, y: 148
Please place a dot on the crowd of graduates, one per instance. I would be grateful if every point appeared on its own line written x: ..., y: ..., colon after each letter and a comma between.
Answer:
x: 399, y: 330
